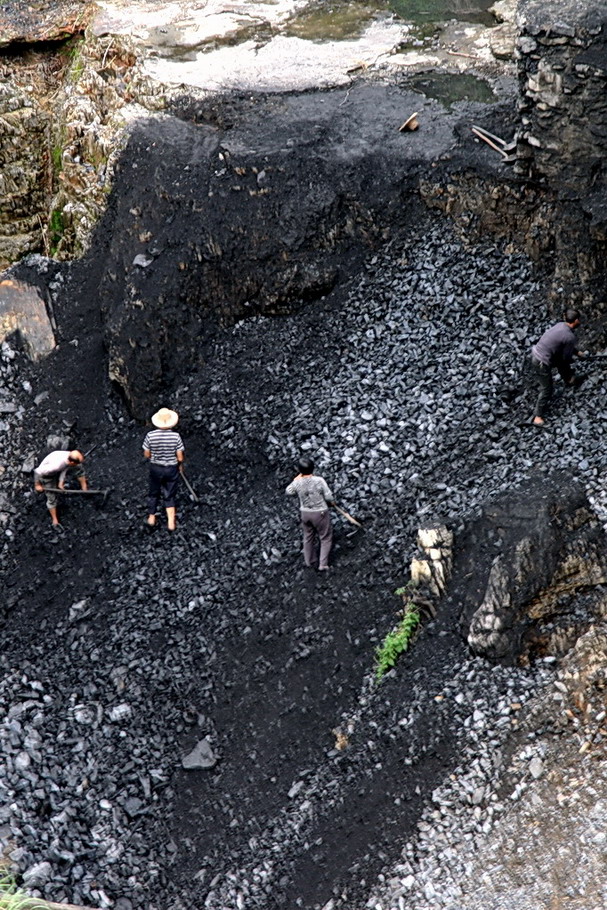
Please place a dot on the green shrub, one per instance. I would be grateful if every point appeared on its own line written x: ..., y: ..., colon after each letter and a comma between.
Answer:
x: 398, y: 640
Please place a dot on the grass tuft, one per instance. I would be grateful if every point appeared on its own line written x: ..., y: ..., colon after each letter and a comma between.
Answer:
x: 398, y: 640
x: 11, y: 898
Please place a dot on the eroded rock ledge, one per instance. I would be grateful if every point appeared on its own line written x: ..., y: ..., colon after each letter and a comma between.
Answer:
x: 541, y: 574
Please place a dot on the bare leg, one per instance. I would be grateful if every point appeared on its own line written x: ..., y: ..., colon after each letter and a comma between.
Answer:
x: 151, y: 520
x: 171, y: 517
x: 53, y: 514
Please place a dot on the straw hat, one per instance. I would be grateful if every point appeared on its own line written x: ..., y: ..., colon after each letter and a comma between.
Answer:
x: 410, y: 124
x: 164, y: 419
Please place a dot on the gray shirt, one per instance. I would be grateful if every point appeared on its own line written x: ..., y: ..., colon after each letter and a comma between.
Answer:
x: 314, y: 494
x: 556, y: 346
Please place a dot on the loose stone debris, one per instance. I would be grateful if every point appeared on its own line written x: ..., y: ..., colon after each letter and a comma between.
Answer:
x: 408, y: 387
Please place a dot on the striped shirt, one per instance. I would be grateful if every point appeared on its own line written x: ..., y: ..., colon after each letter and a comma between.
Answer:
x: 164, y: 445
x: 313, y: 492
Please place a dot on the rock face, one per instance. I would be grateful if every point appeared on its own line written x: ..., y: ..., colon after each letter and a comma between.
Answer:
x: 46, y: 20
x: 23, y: 311
x: 557, y: 211
x: 220, y: 214
x: 563, y: 79
x: 24, y: 171
x: 550, y: 548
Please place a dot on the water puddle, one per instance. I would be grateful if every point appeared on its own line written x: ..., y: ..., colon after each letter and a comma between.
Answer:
x: 338, y: 20
x: 448, y: 88
x: 423, y: 11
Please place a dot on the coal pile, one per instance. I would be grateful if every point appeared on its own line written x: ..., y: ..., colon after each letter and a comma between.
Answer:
x: 124, y: 654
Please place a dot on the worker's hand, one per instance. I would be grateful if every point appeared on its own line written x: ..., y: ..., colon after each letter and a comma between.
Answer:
x: 583, y: 354
x: 39, y: 487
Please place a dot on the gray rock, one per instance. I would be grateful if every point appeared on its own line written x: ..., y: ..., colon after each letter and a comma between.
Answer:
x: 201, y: 756
x: 38, y: 875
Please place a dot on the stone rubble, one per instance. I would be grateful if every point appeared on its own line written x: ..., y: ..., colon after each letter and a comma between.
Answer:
x: 409, y: 393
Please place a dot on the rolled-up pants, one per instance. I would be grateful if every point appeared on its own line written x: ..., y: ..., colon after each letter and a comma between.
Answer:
x: 50, y: 482
x: 163, y: 483
x: 316, y: 524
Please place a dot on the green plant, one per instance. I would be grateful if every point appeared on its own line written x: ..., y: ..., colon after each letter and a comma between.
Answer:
x: 399, y: 638
x: 56, y: 229
x: 73, y: 52
x: 11, y: 898
x: 57, y: 158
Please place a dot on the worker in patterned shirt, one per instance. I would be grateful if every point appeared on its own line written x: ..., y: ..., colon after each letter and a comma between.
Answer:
x: 315, y: 497
x: 164, y: 448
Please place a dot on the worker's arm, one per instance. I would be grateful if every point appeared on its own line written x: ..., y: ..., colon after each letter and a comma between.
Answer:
x: 147, y: 453
x: 179, y: 454
x: 326, y: 492
x: 292, y: 489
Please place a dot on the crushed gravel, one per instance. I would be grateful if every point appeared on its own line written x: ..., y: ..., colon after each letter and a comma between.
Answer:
x: 123, y: 653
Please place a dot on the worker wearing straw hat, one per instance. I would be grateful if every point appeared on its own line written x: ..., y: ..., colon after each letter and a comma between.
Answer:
x: 164, y: 448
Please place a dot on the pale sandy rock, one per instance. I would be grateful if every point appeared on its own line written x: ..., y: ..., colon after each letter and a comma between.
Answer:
x: 502, y: 40
x: 178, y: 24
x: 283, y: 64
x: 504, y: 10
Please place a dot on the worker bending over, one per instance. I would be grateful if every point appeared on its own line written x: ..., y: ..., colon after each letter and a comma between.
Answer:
x: 51, y: 473
x: 556, y: 348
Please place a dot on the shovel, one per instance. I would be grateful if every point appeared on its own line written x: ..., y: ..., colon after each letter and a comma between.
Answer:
x: 347, y: 516
x: 193, y: 495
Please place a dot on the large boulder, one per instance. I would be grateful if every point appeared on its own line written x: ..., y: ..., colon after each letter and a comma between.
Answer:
x: 23, y: 312
x: 538, y: 570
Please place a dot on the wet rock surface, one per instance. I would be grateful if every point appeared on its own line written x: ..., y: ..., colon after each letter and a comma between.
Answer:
x: 407, y: 386
x: 46, y: 20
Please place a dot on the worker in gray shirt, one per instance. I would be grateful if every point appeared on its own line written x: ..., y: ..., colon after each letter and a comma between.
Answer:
x: 556, y: 348
x: 315, y: 497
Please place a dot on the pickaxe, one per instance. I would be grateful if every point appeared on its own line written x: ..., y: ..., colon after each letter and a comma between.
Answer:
x: 193, y: 496
x: 104, y: 493
x: 347, y: 515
